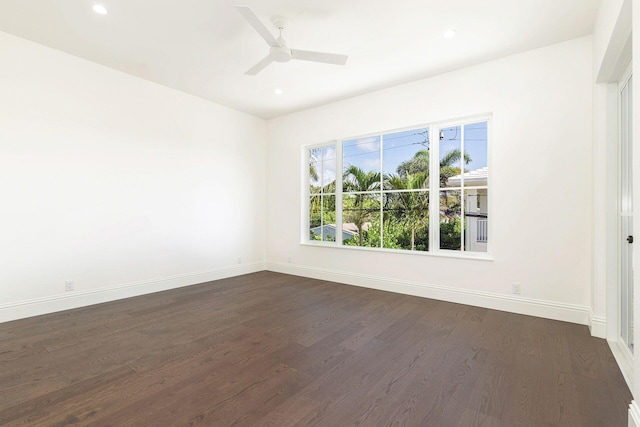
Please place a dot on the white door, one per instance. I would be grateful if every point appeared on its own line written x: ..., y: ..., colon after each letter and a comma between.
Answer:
x: 626, y: 214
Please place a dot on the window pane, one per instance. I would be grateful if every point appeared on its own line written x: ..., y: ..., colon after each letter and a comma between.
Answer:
x: 406, y: 221
x: 475, y: 187
x: 322, y: 217
x: 361, y: 163
x: 475, y: 148
x: 329, y: 169
x: 329, y: 218
x: 450, y: 216
x: 450, y: 156
x: 361, y: 220
x: 315, y: 217
x: 315, y: 170
x: 476, y: 220
x: 406, y: 153
x: 322, y: 170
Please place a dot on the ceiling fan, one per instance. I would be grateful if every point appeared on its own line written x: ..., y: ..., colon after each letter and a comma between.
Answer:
x: 279, y: 50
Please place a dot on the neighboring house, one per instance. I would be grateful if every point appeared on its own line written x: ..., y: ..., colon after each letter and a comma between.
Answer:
x: 476, y: 211
x: 349, y: 230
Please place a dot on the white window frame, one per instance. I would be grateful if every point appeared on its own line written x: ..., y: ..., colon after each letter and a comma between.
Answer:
x: 433, y: 190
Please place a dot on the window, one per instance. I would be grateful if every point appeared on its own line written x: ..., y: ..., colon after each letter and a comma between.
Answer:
x: 391, y: 196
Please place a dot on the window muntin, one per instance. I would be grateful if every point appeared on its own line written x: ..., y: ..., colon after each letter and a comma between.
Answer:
x: 389, y: 190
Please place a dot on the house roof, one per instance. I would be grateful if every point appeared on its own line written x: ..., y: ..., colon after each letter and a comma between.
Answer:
x: 474, y: 177
x: 351, y: 226
x: 321, y: 229
x: 348, y: 227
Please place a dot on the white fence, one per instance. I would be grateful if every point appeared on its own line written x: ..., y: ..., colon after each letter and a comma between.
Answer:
x: 482, y: 233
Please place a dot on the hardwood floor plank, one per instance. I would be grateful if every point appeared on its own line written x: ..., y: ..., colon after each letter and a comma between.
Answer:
x: 114, y: 397
x: 32, y: 407
x: 393, y: 383
x: 471, y: 418
x: 377, y: 324
x: 557, y: 398
x: 492, y: 389
x: 557, y: 346
x: 532, y: 335
x: 596, y: 408
x: 520, y: 403
x: 347, y: 379
x: 584, y: 356
x: 441, y: 391
x: 259, y: 400
x: 508, y: 339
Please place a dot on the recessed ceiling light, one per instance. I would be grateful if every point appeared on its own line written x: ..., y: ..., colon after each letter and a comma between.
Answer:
x: 449, y: 34
x: 277, y: 91
x: 100, y: 9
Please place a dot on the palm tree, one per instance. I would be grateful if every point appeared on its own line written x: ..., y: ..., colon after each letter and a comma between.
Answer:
x: 313, y: 158
x: 419, y: 163
x: 358, y: 181
x: 412, y: 203
x: 447, y: 170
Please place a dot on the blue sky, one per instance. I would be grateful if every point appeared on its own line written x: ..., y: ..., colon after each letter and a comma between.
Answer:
x: 475, y: 143
x: 402, y: 146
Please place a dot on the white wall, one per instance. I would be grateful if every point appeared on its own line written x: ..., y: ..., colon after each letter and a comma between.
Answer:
x: 541, y: 174
x: 115, y: 182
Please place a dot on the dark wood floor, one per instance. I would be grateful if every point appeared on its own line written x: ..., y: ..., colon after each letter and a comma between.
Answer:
x: 277, y: 350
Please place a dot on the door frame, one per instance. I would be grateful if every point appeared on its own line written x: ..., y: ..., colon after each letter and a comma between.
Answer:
x: 623, y: 82
x: 623, y: 356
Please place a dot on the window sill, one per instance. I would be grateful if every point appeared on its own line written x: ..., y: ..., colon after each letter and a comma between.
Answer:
x: 476, y: 256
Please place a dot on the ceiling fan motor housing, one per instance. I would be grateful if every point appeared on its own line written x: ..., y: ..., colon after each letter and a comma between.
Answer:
x: 280, y: 53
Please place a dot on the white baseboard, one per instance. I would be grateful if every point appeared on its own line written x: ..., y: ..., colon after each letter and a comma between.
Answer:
x: 67, y: 301
x: 540, y: 308
x: 634, y: 414
x: 624, y: 359
x: 597, y: 325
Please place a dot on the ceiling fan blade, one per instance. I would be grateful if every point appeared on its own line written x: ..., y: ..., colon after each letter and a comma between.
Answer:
x: 255, y: 22
x: 259, y: 66
x: 309, y: 55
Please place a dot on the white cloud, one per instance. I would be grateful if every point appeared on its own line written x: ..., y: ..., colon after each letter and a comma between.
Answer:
x: 372, y: 163
x: 370, y: 144
x: 329, y: 165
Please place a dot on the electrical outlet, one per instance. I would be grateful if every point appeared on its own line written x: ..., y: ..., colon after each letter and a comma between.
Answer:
x: 239, y: 260
x: 289, y: 259
x: 516, y: 288
x: 69, y: 285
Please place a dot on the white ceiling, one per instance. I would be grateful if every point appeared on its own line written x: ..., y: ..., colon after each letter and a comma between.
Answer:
x: 203, y: 47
